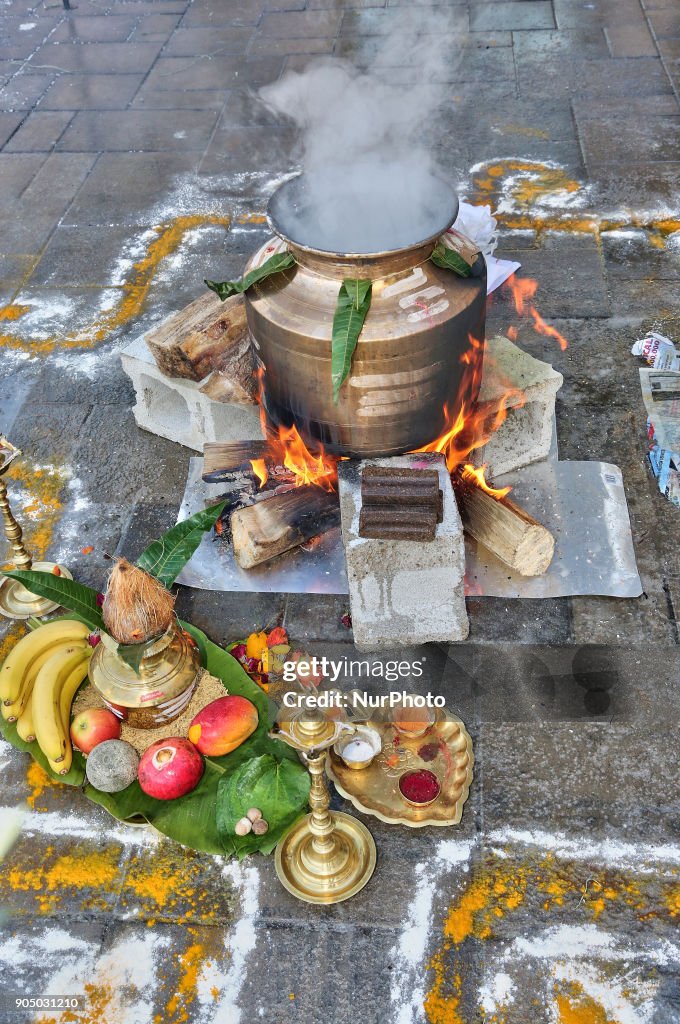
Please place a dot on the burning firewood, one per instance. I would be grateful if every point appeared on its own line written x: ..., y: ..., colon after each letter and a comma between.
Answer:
x: 222, y: 461
x: 502, y: 526
x: 266, y: 529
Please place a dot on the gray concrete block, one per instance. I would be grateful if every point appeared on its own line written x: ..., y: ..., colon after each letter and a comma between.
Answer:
x: 175, y: 408
x: 403, y: 592
x: 525, y: 435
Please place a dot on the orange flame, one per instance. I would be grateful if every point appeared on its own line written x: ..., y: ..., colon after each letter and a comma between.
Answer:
x: 477, y: 475
x: 523, y: 290
x: 286, y: 448
x: 260, y: 471
x: 473, y: 424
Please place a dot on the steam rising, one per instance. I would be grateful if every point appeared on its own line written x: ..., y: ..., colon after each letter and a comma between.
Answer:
x: 369, y: 182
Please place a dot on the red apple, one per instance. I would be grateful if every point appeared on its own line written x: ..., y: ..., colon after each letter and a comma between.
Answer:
x: 92, y: 727
x: 223, y: 725
x: 170, y: 768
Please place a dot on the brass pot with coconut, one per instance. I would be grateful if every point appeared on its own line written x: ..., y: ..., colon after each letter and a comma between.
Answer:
x: 146, y: 668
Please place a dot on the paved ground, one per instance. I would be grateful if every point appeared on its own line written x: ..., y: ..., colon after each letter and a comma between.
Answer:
x: 133, y: 163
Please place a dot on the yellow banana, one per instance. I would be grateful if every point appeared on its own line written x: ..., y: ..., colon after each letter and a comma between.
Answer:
x: 11, y: 712
x: 25, y: 727
x: 47, y: 717
x: 68, y: 692
x: 24, y: 653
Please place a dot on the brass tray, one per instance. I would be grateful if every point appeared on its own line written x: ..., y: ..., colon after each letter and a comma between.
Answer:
x: 375, y: 790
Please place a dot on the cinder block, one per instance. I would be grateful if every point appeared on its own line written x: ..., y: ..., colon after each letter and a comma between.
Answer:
x: 526, y: 434
x: 403, y: 592
x: 173, y: 407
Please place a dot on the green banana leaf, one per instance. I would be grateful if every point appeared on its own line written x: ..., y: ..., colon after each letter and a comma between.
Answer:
x: 166, y: 557
x: 354, y: 302
x: 280, y: 261
x: 448, y: 259
x: 280, y: 789
x: 191, y: 820
x: 64, y: 592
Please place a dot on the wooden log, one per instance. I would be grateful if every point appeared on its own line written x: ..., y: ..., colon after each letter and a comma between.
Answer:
x: 410, y: 522
x: 504, y: 528
x: 266, y: 529
x: 222, y: 459
x: 386, y: 485
x: 234, y: 379
x: 199, y: 338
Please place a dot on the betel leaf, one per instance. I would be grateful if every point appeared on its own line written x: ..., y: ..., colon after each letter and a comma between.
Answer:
x: 276, y: 263
x: 280, y: 789
x: 449, y: 259
x: 354, y: 302
x: 64, y: 592
x: 166, y: 557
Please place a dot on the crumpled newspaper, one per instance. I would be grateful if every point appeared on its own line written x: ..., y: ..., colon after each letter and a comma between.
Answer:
x: 657, y: 350
x: 661, y: 395
x: 480, y: 226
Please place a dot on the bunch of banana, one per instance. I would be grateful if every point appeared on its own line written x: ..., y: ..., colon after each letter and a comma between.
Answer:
x: 38, y: 682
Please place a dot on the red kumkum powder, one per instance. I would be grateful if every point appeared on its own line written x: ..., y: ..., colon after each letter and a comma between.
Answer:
x: 420, y: 787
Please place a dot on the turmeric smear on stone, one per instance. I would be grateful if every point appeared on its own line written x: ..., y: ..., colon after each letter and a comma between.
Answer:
x: 132, y: 295
x: 39, y: 781
x: 96, y: 871
x: 179, y: 1005
x: 170, y: 886
x: 490, y: 895
x: 574, y: 1006
x: 101, y: 1006
x: 35, y: 493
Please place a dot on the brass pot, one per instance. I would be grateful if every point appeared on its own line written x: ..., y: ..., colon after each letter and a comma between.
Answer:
x: 168, y: 672
x: 408, y: 379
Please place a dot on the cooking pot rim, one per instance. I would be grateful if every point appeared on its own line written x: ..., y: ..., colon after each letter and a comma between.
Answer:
x: 279, y: 195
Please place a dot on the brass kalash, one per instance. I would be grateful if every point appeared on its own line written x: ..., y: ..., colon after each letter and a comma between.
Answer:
x: 328, y: 856
x: 415, y: 364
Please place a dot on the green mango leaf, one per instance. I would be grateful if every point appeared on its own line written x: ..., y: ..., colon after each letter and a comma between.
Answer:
x: 166, y: 557
x: 280, y: 261
x: 279, y: 788
x: 132, y: 655
x: 448, y: 259
x: 66, y: 593
x: 354, y: 302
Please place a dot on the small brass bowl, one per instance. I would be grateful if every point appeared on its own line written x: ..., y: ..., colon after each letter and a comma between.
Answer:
x: 361, y: 732
x: 432, y: 778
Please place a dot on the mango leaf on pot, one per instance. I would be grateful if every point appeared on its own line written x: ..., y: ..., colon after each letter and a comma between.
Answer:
x: 354, y: 302
x: 449, y: 259
x: 279, y: 789
x: 274, y: 265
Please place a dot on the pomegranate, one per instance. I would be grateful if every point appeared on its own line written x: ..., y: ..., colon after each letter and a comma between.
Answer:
x: 170, y: 768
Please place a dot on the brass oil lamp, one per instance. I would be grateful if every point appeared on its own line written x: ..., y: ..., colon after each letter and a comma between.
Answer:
x: 16, y: 602
x: 328, y: 856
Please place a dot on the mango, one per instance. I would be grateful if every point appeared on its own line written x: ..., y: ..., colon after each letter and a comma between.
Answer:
x: 223, y: 725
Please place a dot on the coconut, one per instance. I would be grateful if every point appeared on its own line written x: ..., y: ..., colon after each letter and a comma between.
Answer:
x: 136, y: 606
